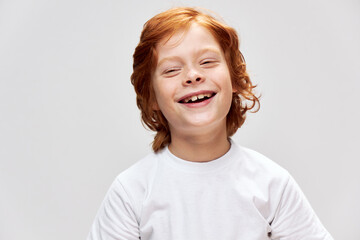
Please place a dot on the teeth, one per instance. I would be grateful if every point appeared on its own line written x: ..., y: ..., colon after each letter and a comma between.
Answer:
x: 196, y: 97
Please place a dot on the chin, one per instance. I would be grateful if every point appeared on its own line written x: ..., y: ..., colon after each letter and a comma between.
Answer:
x: 207, y: 122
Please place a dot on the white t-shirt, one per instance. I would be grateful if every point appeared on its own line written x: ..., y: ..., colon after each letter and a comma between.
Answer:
x: 241, y: 195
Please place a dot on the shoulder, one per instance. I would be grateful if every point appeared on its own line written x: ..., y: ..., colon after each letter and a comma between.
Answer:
x: 134, y: 183
x: 260, y: 165
x: 139, y: 170
x: 263, y: 179
x: 139, y: 175
x: 260, y: 175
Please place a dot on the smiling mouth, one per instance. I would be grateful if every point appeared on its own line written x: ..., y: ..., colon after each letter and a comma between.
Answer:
x: 197, y: 98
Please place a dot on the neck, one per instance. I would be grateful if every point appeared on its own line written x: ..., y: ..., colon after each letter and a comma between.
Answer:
x: 203, y: 147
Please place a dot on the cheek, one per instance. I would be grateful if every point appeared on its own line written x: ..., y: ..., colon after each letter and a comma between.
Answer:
x: 163, y: 98
x: 161, y: 93
x: 165, y: 88
x: 228, y: 88
x: 224, y: 79
x: 157, y: 96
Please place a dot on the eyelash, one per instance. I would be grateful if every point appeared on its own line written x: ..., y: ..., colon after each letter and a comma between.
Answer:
x: 207, y: 62
x: 171, y: 70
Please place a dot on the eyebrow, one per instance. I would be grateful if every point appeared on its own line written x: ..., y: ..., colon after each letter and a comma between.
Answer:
x: 209, y: 49
x: 200, y: 52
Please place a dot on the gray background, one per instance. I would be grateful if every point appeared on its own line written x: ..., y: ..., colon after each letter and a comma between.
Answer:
x: 69, y: 123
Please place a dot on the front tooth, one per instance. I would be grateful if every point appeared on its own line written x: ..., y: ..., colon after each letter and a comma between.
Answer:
x: 200, y: 96
x: 194, y: 98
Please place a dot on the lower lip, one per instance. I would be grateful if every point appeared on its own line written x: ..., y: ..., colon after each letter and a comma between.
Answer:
x: 199, y: 104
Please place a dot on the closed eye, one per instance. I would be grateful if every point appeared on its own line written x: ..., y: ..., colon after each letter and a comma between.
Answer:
x: 209, y: 63
x: 171, y: 72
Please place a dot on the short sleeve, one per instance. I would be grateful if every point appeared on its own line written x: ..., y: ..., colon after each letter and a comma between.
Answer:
x: 295, y: 219
x: 115, y: 219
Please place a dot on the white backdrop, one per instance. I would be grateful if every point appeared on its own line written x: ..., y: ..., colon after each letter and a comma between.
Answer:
x: 69, y: 123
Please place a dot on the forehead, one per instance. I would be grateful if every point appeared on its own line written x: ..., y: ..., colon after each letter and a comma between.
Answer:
x: 195, y: 37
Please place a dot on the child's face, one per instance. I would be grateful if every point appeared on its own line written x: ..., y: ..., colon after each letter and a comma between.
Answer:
x: 192, y: 82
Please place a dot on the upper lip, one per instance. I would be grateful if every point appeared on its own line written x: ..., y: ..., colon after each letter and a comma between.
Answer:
x: 195, y: 94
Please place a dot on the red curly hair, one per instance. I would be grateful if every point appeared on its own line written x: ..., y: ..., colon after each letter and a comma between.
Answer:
x: 165, y: 25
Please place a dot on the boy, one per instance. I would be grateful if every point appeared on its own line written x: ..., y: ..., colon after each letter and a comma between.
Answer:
x: 193, y: 90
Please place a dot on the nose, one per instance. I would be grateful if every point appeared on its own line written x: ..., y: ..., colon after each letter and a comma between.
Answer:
x: 193, y: 76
